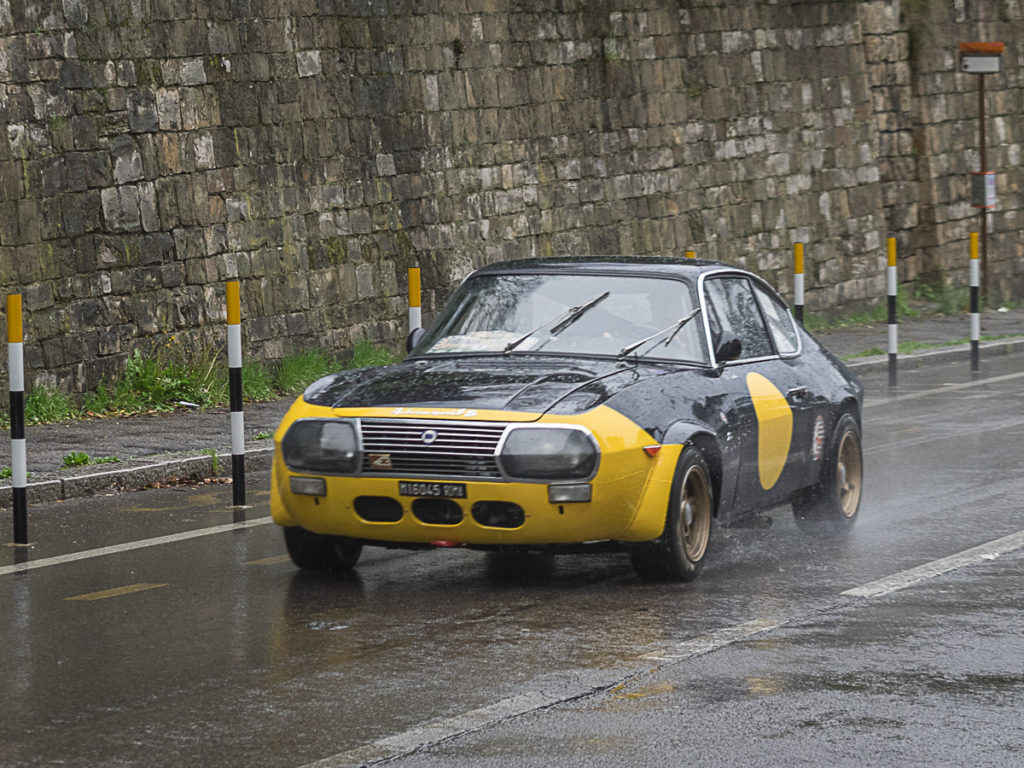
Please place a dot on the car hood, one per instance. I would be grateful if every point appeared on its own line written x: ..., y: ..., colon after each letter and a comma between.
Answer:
x: 516, y: 383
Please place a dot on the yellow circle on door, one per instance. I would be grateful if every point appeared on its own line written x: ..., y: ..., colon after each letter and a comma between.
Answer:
x: 774, y: 428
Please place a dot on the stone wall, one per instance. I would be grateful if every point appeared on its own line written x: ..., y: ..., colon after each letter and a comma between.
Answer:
x: 945, y: 143
x: 316, y: 149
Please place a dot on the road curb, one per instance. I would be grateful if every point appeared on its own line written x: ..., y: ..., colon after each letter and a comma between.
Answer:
x: 188, y: 469
x: 950, y: 354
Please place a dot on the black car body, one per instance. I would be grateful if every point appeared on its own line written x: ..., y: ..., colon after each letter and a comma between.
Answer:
x: 625, y: 401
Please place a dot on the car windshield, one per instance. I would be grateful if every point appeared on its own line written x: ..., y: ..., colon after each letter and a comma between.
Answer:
x: 567, y: 314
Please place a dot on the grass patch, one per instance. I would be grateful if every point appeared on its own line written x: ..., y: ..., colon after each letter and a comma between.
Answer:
x: 907, y: 347
x: 160, y: 382
x: 257, y: 383
x: 298, y: 371
x: 44, y: 405
x: 214, y: 460
x: 172, y: 376
x: 948, y: 300
x: 366, y: 355
x: 82, y: 459
x: 75, y: 459
x: 879, y: 313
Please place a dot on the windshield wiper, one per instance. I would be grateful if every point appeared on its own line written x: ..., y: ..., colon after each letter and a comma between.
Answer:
x: 675, y: 328
x: 562, y: 321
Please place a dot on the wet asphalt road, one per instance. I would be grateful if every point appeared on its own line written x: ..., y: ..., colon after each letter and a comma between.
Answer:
x: 215, y: 651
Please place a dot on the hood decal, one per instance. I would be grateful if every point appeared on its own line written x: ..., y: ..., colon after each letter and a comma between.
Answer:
x: 436, y: 413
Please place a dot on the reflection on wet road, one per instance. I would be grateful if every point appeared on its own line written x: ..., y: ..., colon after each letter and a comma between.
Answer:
x: 212, y: 649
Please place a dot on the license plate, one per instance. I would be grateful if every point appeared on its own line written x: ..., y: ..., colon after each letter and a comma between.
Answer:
x: 434, y: 490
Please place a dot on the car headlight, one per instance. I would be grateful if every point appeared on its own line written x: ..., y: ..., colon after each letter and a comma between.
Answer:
x: 321, y: 445
x: 549, y: 453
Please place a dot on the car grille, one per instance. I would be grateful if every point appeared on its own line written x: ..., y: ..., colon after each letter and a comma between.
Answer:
x: 458, y: 450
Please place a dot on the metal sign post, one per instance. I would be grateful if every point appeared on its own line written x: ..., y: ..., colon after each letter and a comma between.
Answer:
x: 982, y: 59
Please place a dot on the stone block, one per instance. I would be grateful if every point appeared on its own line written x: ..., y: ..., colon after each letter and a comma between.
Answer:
x: 168, y: 109
x: 76, y: 74
x: 189, y: 243
x: 193, y: 72
x: 142, y: 111
x: 308, y: 63
x: 127, y: 160
x: 121, y: 208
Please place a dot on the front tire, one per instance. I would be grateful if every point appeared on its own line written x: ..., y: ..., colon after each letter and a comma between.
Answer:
x: 678, y: 554
x: 834, y: 501
x: 319, y: 552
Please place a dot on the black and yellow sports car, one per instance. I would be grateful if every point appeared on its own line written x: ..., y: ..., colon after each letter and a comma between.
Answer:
x: 557, y: 405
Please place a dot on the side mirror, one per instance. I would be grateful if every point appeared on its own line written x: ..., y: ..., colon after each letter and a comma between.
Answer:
x: 415, y: 337
x: 729, y: 349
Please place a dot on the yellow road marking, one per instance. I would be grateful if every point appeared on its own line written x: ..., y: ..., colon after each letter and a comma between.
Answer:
x: 654, y: 689
x: 270, y: 560
x: 116, y: 592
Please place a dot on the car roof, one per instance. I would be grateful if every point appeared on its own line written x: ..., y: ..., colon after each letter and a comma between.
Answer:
x: 667, y: 265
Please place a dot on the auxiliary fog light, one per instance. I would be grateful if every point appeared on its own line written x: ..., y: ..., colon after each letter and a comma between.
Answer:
x: 309, y: 486
x: 563, y: 494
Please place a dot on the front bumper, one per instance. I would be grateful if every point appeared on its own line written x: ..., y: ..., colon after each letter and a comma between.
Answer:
x: 628, y: 495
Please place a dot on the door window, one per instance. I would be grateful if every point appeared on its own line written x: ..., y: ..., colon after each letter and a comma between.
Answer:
x: 733, y: 309
x: 780, y: 322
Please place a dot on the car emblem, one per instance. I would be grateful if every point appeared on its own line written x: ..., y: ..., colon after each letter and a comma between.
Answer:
x: 380, y: 461
x: 428, y: 436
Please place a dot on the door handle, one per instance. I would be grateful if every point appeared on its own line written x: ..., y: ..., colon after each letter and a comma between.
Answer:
x: 797, y: 393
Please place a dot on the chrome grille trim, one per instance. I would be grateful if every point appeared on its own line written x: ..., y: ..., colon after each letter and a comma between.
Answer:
x: 460, y: 449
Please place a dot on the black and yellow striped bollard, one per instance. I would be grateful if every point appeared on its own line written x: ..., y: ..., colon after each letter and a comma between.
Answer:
x: 235, y: 390
x: 891, y: 284
x: 16, y: 385
x: 975, y: 281
x: 798, y: 282
x: 415, y: 300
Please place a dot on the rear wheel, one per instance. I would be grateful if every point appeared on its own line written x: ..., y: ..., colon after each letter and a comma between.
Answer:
x: 318, y: 552
x: 835, y: 500
x: 677, y: 555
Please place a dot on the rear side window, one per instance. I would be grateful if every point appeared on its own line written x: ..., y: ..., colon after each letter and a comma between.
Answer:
x: 733, y: 309
x: 780, y: 322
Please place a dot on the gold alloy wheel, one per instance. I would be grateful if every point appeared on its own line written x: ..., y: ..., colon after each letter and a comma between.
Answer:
x: 849, y: 474
x: 695, y: 514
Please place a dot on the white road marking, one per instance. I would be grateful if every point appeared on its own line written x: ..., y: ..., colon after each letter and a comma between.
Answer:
x: 712, y: 641
x: 988, y: 551
x: 114, y: 549
x: 404, y: 743
x: 874, y: 402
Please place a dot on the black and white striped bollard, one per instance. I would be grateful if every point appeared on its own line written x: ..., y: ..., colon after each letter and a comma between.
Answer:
x: 893, y: 326
x: 235, y: 389
x: 975, y: 308
x: 16, y: 385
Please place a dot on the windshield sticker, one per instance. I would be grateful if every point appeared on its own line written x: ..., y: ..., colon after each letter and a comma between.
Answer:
x: 481, y: 341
